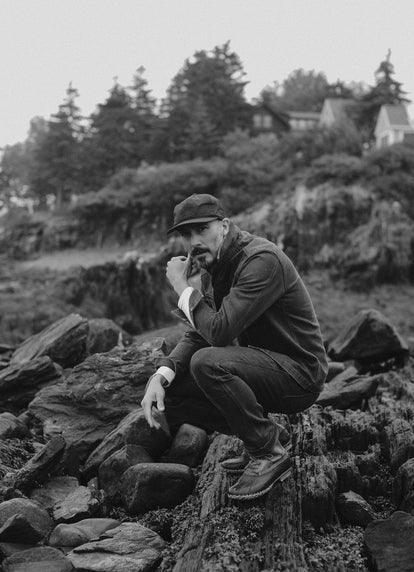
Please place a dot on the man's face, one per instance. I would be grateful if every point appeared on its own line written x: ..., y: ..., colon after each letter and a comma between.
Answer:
x: 203, y: 240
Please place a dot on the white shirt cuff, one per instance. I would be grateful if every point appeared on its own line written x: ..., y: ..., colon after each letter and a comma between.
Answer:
x: 166, y: 372
x: 184, y: 303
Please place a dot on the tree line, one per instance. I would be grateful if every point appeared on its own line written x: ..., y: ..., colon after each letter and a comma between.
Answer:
x: 69, y: 154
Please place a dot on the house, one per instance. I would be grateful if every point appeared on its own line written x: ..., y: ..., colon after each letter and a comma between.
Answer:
x: 302, y: 120
x: 393, y: 125
x: 336, y: 110
x: 267, y: 119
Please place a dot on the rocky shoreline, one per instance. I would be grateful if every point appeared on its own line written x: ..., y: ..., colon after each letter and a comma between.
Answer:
x: 87, y: 485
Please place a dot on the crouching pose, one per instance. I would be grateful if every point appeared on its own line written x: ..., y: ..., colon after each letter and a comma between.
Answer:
x: 253, y: 347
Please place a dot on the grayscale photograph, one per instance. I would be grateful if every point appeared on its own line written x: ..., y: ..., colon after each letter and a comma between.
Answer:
x: 207, y: 286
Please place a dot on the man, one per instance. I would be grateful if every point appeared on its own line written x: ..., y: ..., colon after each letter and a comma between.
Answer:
x: 254, y: 345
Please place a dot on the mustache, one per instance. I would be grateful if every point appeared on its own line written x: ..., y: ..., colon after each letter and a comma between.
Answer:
x: 197, y: 250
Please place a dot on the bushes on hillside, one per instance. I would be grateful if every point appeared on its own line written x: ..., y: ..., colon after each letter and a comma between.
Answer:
x: 146, y: 196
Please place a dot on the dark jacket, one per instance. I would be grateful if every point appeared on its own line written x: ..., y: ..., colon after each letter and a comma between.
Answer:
x: 255, y: 297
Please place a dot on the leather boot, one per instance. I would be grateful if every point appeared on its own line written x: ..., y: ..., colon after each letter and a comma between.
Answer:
x: 236, y: 465
x: 262, y: 473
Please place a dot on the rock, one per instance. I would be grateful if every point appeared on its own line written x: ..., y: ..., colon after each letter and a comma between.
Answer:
x: 189, y: 445
x: 133, y: 430
x: 9, y: 548
x: 334, y: 369
x: 348, y: 389
x: 78, y: 505
x: 55, y: 490
x: 390, y: 543
x: 11, y: 427
x: 104, y: 335
x: 128, y: 548
x: 398, y: 442
x: 353, y: 509
x: 81, y: 532
x: 20, y: 383
x: 369, y: 338
x: 151, y: 485
x: 96, y: 395
x: 21, y: 520
x: 39, y: 559
x: 39, y: 467
x: 112, y: 469
x: 410, y: 343
x: 404, y: 486
x: 349, y: 430
x: 63, y: 341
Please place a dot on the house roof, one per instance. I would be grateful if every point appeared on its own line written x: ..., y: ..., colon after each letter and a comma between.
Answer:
x: 397, y: 114
x: 338, y: 106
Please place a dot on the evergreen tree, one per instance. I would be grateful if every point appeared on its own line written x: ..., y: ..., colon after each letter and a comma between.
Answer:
x: 387, y: 90
x: 204, y: 102
x: 120, y: 132
x: 55, y: 168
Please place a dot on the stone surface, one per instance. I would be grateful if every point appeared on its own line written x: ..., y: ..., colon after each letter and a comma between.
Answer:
x: 78, y: 533
x: 21, y: 520
x: 104, y: 335
x: 133, y: 430
x: 348, y: 389
x: 150, y: 485
x: 38, y: 468
x: 390, y: 543
x: 188, y: 446
x: 19, y: 383
x: 97, y: 394
x: 77, y: 505
x: 399, y: 442
x: 334, y: 369
x: 55, y: 490
x: 354, y: 509
x: 63, y: 341
x: 11, y: 427
x: 39, y: 559
x: 128, y: 548
x: 368, y: 338
x: 112, y: 469
x: 404, y: 486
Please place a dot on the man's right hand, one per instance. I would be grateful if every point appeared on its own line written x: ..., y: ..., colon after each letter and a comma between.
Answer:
x: 155, y: 393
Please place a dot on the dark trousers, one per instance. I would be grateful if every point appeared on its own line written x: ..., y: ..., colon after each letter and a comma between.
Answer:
x: 231, y: 390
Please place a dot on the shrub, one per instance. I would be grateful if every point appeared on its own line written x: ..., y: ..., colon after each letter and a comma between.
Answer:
x: 337, y: 169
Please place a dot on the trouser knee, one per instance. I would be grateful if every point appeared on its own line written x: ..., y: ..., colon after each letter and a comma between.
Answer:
x: 203, y: 366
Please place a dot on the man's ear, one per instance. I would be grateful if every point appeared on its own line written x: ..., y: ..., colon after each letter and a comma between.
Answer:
x: 226, y: 226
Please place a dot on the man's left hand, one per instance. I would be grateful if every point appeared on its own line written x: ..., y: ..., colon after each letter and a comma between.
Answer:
x: 178, y: 269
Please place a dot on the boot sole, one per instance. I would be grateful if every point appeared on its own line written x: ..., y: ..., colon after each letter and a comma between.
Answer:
x: 239, y: 471
x: 282, y: 477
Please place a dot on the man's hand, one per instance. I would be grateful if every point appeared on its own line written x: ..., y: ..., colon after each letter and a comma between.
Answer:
x: 178, y: 271
x: 155, y: 393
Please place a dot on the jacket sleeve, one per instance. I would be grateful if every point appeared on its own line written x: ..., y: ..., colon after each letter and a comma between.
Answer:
x: 258, y: 284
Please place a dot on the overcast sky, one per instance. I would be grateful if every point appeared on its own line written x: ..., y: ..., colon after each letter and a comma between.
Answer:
x: 45, y: 44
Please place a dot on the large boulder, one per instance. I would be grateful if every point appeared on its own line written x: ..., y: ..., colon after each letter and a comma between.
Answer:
x: 369, y: 338
x: 390, y: 543
x: 19, y: 383
x: 78, y: 505
x: 189, y: 446
x: 38, y: 559
x: 133, y: 430
x: 404, y: 486
x: 55, y: 490
x: 63, y: 341
x: 21, y: 520
x: 104, y: 335
x: 354, y: 509
x: 348, y: 389
x: 112, y: 469
x: 96, y: 395
x: 129, y: 547
x: 80, y: 532
x: 151, y: 485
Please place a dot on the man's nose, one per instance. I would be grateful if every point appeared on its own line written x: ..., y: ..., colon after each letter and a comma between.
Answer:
x: 194, y: 239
